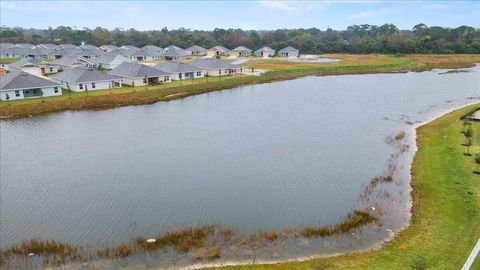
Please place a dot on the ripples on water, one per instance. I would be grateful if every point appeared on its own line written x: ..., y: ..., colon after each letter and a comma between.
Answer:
x: 268, y: 156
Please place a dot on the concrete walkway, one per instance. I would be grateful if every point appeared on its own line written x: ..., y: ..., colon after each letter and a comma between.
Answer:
x: 472, y: 256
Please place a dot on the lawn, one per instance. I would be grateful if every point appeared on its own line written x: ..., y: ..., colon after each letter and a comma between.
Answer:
x: 446, y: 208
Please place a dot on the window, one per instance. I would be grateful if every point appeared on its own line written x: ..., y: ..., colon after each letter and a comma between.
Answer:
x: 80, y: 86
x: 51, y: 69
x: 17, y: 93
x: 55, y: 89
x: 144, y: 80
x: 93, y: 85
x: 27, y: 92
x: 167, y: 78
x: 199, y: 73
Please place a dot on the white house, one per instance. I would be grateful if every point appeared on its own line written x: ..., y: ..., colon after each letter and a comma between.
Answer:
x: 173, y: 52
x: 218, y: 51
x: 110, y: 61
x: 241, y: 51
x: 197, y: 50
x: 265, y: 52
x: 181, y: 71
x: 108, y: 48
x: 74, y: 61
x: 215, y: 67
x: 33, y: 66
x: 140, y: 75
x: 21, y: 85
x: 80, y: 79
x: 289, y: 52
x: 146, y: 55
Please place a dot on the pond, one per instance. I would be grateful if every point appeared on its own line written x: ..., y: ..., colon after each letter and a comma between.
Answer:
x: 261, y: 157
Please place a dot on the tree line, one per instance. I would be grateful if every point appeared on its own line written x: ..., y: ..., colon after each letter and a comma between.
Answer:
x: 365, y: 38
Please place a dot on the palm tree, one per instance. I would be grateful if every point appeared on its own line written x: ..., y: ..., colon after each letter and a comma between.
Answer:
x: 468, y: 137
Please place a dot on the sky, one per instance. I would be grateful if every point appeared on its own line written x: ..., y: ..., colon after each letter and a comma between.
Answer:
x: 256, y: 15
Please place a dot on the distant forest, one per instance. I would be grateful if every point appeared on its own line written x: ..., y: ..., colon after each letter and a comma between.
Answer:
x: 364, y: 38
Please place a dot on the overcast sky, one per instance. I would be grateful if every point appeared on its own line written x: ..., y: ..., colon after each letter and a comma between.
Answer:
x: 147, y: 15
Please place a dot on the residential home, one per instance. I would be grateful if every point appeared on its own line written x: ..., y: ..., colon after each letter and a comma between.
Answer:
x: 289, y: 52
x: 218, y: 51
x: 39, y: 52
x: 68, y: 46
x: 25, y: 45
x: 241, y: 51
x: 265, y: 52
x: 74, y: 61
x: 33, y: 66
x: 173, y: 52
x: 80, y: 79
x: 181, y: 71
x: 110, y: 61
x: 6, y: 45
x: 130, y: 48
x: 152, y: 48
x: 88, y: 47
x: 197, y: 50
x: 49, y: 46
x: 146, y: 55
x: 21, y: 85
x: 90, y: 53
x: 215, y: 67
x: 108, y: 48
x: 13, y: 52
x: 140, y: 75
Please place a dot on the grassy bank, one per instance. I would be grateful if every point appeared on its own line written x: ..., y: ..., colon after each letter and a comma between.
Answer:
x: 278, y: 70
x: 446, y: 208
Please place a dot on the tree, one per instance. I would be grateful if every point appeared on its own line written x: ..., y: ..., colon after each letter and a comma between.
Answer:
x: 465, y: 124
x: 468, y: 133
x: 476, y: 158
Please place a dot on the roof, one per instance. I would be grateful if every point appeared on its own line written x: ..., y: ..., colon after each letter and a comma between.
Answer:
x: 132, y: 70
x: 146, y: 53
x: 130, y: 47
x: 109, y: 46
x: 67, y: 61
x: 82, y: 74
x: 122, y: 51
x: 288, y: 49
x: 68, y: 46
x: 153, y: 48
x: 21, y: 80
x: 89, y: 47
x: 176, y: 66
x: 196, y: 48
x: 210, y: 63
x: 108, y: 58
x: 265, y: 48
x: 48, y: 46
x: 175, y: 51
x: 91, y: 52
x: 219, y: 48
x: 26, y: 62
x: 242, y: 49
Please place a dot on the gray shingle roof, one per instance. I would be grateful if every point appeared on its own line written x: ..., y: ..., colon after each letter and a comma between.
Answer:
x: 22, y: 80
x: 265, y: 48
x: 82, y: 74
x: 130, y: 47
x: 132, y: 70
x: 26, y: 62
x: 219, y: 48
x: 146, y: 53
x: 242, y: 49
x: 152, y: 48
x: 67, y: 61
x: 210, y: 63
x: 196, y: 48
x: 108, y: 58
x: 174, y: 51
x: 176, y: 67
x: 288, y: 49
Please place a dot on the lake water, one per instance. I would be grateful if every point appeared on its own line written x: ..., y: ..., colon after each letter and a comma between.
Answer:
x: 269, y: 156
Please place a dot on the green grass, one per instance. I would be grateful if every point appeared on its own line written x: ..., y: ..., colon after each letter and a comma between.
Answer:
x: 446, y: 208
x: 8, y: 60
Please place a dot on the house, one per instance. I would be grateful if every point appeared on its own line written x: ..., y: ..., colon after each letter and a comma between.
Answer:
x: 289, y: 52
x: 90, y: 53
x: 173, y: 52
x: 140, y: 75
x: 146, y: 55
x: 80, y: 79
x: 88, y: 47
x: 39, y: 52
x: 108, y: 48
x: 181, y: 71
x: 218, y: 51
x: 214, y: 67
x: 25, y: 45
x: 67, y: 46
x: 49, y: 46
x: 130, y: 48
x: 21, y: 85
x: 265, y: 52
x: 6, y: 45
x: 12, y: 52
x: 241, y: 51
x: 33, y: 66
x: 73, y: 61
x: 152, y: 48
x: 197, y: 50
x: 110, y: 61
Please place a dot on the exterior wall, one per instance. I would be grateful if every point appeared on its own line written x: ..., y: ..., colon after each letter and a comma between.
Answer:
x: 51, y: 69
x: 223, y: 72
x: 87, y: 86
x: 289, y: 54
x: 12, y: 95
x: 240, y: 54
x: 176, y: 76
x: 198, y: 53
x: 139, y: 81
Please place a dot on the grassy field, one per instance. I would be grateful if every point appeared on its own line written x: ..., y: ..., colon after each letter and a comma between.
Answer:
x: 278, y: 70
x: 446, y: 208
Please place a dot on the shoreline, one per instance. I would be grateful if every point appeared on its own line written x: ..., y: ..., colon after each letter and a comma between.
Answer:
x: 348, y: 65
x: 375, y: 247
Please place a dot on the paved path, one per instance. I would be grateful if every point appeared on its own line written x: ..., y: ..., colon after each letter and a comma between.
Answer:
x: 472, y: 256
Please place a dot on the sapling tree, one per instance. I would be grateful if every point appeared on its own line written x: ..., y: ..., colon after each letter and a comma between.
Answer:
x: 468, y: 133
x: 476, y: 158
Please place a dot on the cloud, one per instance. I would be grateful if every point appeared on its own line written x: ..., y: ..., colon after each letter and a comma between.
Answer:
x: 288, y: 6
